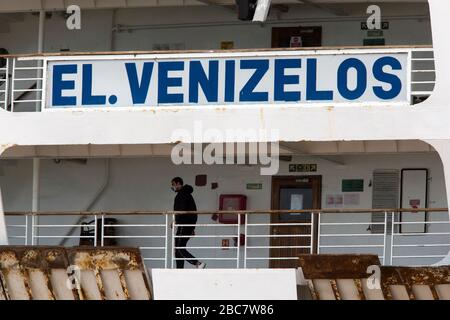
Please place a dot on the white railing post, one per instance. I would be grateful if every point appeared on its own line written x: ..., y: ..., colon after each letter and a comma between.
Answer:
x: 13, y: 76
x: 391, y: 259
x: 311, y: 243
x: 102, y: 231
x: 385, y: 236
x: 245, y: 240
x: 409, y: 77
x: 6, y: 84
x: 95, y: 230
x: 26, y: 229
x: 238, y: 242
x: 43, y: 83
x: 32, y: 228
x: 166, y: 241
x: 172, y: 251
x: 318, y: 231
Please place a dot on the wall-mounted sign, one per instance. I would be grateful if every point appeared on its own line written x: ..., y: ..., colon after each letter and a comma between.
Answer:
x: 374, y: 33
x: 352, y: 185
x: 384, y: 25
x: 226, y: 45
x: 277, y: 77
x: 254, y: 186
x: 304, y: 167
x: 296, y: 42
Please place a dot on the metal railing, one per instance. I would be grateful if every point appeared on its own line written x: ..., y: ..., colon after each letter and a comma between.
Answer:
x: 257, y: 238
x: 23, y: 79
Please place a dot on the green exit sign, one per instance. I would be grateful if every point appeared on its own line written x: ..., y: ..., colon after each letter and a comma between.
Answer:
x: 254, y: 186
x: 352, y: 185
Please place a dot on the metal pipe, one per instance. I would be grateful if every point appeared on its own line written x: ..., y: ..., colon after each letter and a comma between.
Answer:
x: 35, y: 203
x: 3, y: 231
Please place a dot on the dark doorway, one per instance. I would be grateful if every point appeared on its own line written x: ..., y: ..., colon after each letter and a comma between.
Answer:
x: 293, y: 193
x: 286, y: 37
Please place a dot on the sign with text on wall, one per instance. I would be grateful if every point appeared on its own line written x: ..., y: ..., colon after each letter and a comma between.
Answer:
x: 366, y: 78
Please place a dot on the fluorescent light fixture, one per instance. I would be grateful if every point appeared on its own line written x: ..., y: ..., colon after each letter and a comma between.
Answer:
x: 261, y: 11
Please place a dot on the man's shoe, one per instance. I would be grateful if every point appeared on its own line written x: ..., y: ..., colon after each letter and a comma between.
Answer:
x: 201, y: 265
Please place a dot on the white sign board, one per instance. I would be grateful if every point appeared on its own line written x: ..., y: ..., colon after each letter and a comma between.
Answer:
x: 224, y: 284
x: 262, y: 80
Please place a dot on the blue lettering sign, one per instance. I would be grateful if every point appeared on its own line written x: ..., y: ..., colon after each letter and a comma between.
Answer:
x: 281, y: 80
x: 247, y: 94
x: 392, y: 79
x: 198, y: 78
x: 164, y: 82
x: 139, y: 90
x: 311, y: 84
x: 86, y: 96
x: 361, y: 76
x: 59, y: 85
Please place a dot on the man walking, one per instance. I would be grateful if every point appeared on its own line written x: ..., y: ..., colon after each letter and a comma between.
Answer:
x: 184, y: 202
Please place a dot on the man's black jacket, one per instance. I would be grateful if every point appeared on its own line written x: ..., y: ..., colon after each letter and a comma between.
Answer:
x: 185, y: 202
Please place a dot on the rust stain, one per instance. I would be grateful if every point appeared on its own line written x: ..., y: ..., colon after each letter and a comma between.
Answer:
x: 26, y: 260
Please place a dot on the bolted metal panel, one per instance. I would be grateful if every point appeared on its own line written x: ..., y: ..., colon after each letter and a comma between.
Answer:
x: 344, y: 277
x: 110, y: 273
x: 80, y: 273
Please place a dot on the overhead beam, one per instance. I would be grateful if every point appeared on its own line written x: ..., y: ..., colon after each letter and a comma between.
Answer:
x: 212, y: 3
x: 326, y: 8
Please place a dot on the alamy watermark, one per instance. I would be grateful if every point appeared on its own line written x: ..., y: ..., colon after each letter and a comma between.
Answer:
x: 73, y: 20
x: 212, y: 146
x: 374, y: 20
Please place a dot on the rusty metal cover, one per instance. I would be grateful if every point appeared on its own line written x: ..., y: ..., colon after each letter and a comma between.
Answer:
x: 58, y: 273
x: 408, y: 277
x: 336, y: 266
x: 110, y: 273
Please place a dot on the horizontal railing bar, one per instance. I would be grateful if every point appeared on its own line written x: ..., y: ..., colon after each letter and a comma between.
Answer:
x: 185, y: 259
x: 423, y: 82
x: 27, y: 90
x: 227, y: 248
x: 28, y: 79
x: 422, y: 222
x: 423, y: 245
x: 278, y: 247
x: 133, y: 236
x: 26, y: 101
x: 422, y: 59
x: 277, y: 224
x: 350, y: 223
x: 66, y: 237
x: 152, y: 248
x: 62, y: 226
x: 423, y: 234
x: 353, y: 246
x: 130, y: 225
x: 212, y: 236
x: 29, y: 68
x: 423, y: 71
x: 206, y: 225
x: 423, y: 256
x: 17, y: 237
x: 272, y: 258
x: 124, y: 213
x: 279, y: 236
x: 351, y: 235
x: 41, y: 56
x: 16, y: 226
